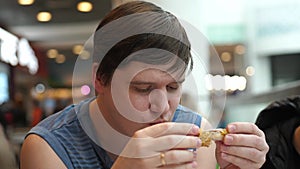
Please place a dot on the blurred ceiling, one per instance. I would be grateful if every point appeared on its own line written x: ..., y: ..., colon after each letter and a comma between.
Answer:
x: 67, y: 27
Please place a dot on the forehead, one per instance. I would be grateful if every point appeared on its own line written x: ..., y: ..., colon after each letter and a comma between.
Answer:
x: 138, y: 71
x: 154, y: 75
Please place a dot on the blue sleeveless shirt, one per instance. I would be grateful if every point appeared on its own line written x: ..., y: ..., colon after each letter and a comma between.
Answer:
x: 66, y: 136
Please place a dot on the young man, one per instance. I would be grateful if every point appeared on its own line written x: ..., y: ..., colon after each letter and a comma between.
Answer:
x: 141, y: 56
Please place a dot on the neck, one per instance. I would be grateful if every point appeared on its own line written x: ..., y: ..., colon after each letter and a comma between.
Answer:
x: 105, y: 134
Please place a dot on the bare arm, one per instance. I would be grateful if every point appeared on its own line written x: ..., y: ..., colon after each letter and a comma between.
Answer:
x: 36, y: 153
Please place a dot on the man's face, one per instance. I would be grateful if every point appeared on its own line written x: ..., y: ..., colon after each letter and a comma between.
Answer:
x: 141, y: 95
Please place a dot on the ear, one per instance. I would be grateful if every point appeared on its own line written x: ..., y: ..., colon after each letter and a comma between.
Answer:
x: 96, y: 82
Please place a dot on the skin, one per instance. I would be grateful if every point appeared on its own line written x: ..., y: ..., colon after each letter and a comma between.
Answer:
x: 244, y: 147
x: 155, y: 94
x: 296, y: 139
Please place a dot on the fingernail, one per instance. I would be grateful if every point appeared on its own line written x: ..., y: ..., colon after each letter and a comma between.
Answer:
x: 195, y: 129
x: 231, y: 128
x: 199, y: 142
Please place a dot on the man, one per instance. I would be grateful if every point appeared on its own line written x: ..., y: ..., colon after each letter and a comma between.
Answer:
x: 7, y: 154
x: 141, y: 56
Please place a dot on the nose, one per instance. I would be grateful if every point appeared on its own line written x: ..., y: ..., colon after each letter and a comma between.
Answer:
x: 158, y: 100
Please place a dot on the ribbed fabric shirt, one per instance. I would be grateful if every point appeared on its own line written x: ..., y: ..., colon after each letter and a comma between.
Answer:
x: 65, y: 135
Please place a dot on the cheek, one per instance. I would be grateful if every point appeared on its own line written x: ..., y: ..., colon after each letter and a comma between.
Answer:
x: 140, y: 103
x: 174, y: 98
x: 174, y: 101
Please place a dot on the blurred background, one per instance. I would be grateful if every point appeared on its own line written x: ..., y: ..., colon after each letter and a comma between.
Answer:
x: 256, y: 42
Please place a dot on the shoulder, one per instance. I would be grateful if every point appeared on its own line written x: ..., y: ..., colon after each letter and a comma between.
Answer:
x: 65, y: 119
x: 34, y: 152
x: 57, y: 120
x: 59, y: 135
x: 279, y: 111
x: 41, y: 145
x: 184, y: 114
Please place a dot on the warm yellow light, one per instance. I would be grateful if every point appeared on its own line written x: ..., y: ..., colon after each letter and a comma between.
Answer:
x: 60, y: 58
x: 240, y: 49
x: 250, y: 70
x: 84, y: 55
x: 226, y: 57
x: 44, y: 16
x: 25, y: 2
x: 77, y: 49
x: 52, y: 53
x: 84, y: 6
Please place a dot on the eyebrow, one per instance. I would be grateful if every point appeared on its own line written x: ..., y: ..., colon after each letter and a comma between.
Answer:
x: 151, y: 83
x: 141, y: 83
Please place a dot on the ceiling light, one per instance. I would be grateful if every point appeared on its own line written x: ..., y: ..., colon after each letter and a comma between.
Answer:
x: 240, y: 49
x: 84, y: 6
x: 84, y: 55
x: 52, y: 53
x: 60, y: 58
x: 77, y: 49
x: 250, y: 70
x: 226, y: 57
x: 43, y: 16
x: 25, y: 2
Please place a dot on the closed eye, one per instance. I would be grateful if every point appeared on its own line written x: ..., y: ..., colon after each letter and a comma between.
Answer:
x: 143, y: 90
x: 173, y: 87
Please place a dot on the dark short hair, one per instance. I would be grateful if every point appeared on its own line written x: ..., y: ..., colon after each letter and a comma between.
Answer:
x: 155, y: 29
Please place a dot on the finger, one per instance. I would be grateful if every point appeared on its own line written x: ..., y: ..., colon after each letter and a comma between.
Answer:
x: 188, y: 165
x: 175, y: 142
x: 246, y: 140
x: 248, y: 153
x: 169, y: 128
x: 148, y: 147
x: 240, y: 162
x: 245, y: 127
x: 174, y: 157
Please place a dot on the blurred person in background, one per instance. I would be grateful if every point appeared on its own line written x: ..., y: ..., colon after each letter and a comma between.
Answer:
x: 281, y: 123
x: 6, y: 115
x: 7, y: 155
x: 138, y: 87
x: 37, y: 113
x: 19, y: 111
x: 13, y: 114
